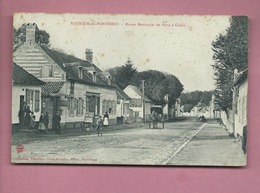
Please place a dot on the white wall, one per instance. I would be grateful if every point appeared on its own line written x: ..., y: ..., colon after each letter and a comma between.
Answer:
x: 17, y: 91
x: 80, y: 91
x: 241, y: 116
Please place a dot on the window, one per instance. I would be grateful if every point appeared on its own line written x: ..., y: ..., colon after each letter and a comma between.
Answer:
x: 51, y: 71
x: 72, y: 87
x: 104, y: 106
x: 32, y: 98
x: 37, y: 100
x: 114, y: 107
x: 71, y: 106
x: 29, y: 99
x: 97, y: 105
x: 109, y: 106
x: 79, y: 107
x: 93, y: 104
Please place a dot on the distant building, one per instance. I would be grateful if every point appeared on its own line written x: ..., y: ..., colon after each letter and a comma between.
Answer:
x: 26, y: 92
x: 123, y: 106
x: 200, y: 109
x: 136, y: 103
x: 74, y: 87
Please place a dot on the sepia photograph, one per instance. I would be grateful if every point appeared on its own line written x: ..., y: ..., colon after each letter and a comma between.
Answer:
x: 129, y: 89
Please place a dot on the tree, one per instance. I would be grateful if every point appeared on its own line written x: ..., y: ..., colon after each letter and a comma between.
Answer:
x: 123, y: 74
x: 19, y: 35
x: 158, y: 84
x: 230, y: 53
x: 190, y: 99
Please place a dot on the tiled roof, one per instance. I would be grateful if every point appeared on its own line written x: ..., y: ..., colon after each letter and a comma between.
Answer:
x: 52, y: 87
x: 122, y: 94
x: 70, y: 65
x: 139, y: 93
x: 22, y: 77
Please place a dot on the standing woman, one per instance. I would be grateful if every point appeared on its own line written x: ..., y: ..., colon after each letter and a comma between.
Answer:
x: 27, y: 117
x: 105, y: 120
x: 46, y: 120
x: 41, y: 124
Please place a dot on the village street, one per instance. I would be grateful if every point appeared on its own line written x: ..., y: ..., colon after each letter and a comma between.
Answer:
x: 136, y: 146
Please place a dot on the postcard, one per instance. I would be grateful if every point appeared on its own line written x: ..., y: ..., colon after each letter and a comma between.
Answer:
x: 156, y: 90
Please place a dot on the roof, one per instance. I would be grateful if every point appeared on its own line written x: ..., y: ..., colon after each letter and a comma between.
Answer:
x: 22, y: 77
x: 70, y: 64
x: 121, y: 94
x: 139, y: 92
x: 241, y: 77
x: 52, y: 87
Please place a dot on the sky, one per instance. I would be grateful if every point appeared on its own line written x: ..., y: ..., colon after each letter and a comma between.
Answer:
x: 178, y: 45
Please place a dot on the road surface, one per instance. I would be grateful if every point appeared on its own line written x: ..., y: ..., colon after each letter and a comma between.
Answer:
x: 136, y: 146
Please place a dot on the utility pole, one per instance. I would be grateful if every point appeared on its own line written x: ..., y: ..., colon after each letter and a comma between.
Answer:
x: 143, y: 101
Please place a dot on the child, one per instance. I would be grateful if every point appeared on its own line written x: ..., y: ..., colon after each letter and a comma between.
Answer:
x: 99, y: 125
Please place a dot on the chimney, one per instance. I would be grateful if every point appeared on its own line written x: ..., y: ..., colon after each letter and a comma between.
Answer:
x: 108, y: 76
x: 89, y: 55
x: 30, y: 32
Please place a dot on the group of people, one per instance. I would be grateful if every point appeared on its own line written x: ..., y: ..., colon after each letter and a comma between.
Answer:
x: 44, y: 123
x: 27, y: 120
x: 155, y: 118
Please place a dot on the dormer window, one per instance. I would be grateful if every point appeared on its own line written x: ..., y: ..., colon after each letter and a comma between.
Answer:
x: 94, y: 77
x: 80, y: 72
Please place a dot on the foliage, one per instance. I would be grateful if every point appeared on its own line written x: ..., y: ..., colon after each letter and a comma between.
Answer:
x: 122, y: 75
x: 187, y: 107
x: 157, y: 84
x: 190, y: 99
x: 19, y: 37
x: 230, y: 53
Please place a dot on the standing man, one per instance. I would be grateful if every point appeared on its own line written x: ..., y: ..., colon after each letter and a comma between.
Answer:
x: 56, y: 122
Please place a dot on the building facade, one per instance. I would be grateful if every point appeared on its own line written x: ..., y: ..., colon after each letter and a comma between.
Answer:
x: 140, y: 106
x: 26, y: 93
x: 74, y: 87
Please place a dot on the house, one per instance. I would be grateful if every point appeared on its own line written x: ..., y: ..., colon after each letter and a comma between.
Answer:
x: 139, y: 105
x: 26, y: 91
x: 199, y: 110
x: 74, y: 87
x: 240, y: 93
x: 124, y: 113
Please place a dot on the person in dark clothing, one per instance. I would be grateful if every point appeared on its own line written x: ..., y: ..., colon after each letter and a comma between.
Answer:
x: 21, y: 116
x: 56, y: 123
x: 27, y: 117
x: 46, y: 120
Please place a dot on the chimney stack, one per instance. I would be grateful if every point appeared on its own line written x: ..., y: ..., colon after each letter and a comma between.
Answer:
x: 30, y: 32
x: 89, y: 55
